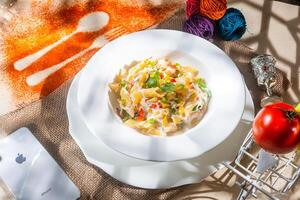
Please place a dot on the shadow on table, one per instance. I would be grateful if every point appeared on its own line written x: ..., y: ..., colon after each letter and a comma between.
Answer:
x: 241, y: 55
x: 66, y: 151
x: 291, y: 68
x: 48, y: 121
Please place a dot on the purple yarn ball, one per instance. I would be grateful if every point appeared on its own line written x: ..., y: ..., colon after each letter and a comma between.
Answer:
x: 200, y: 26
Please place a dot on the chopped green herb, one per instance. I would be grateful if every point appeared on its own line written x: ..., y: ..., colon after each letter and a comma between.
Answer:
x: 137, y: 70
x: 180, y: 74
x: 155, y: 74
x: 201, y: 83
x: 152, y: 121
x: 173, y: 108
x: 180, y: 86
x: 151, y: 83
x: 126, y: 118
x: 123, y: 102
x: 153, y: 80
x: 151, y: 63
x: 195, y: 108
x: 181, y: 125
x: 123, y: 84
x: 168, y: 87
x: 177, y: 99
x: 124, y: 114
x: 164, y: 99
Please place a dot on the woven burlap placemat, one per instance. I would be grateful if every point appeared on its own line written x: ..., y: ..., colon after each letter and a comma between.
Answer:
x: 47, y: 119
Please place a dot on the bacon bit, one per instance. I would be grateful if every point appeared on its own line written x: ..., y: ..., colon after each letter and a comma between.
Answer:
x: 173, y: 66
x: 139, y: 119
x: 159, y: 105
x: 161, y: 76
x: 197, y: 98
x: 173, y: 80
x: 141, y: 115
x: 154, y: 105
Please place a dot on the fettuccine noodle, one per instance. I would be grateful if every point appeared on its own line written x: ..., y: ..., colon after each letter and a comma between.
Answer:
x: 158, y: 97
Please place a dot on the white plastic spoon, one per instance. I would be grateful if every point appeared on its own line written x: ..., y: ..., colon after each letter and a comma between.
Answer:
x: 89, y: 23
x: 99, y: 42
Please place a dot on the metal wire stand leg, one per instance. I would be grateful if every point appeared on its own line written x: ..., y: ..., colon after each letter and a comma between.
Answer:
x: 274, y: 182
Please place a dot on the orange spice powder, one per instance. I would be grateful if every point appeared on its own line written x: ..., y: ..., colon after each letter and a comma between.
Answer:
x: 28, y: 34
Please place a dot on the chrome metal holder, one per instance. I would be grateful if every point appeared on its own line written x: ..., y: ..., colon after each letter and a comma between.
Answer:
x: 273, y: 183
x: 277, y: 179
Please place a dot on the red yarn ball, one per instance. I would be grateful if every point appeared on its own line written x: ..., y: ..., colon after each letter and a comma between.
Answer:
x: 192, y: 7
x: 213, y: 9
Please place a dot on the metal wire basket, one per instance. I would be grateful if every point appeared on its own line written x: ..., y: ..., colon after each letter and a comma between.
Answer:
x: 273, y: 182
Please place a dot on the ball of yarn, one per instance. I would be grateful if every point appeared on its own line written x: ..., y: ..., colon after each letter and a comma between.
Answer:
x: 200, y: 26
x: 233, y: 25
x: 192, y: 7
x: 213, y: 9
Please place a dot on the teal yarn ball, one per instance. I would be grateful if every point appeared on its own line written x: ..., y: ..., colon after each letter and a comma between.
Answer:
x: 232, y: 25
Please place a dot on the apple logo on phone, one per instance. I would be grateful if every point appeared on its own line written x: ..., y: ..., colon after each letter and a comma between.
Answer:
x: 20, y: 158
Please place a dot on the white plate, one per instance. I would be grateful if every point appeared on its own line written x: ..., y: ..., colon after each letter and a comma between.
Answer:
x: 222, y: 76
x: 147, y: 174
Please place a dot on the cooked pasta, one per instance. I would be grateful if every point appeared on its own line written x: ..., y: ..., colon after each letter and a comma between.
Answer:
x: 158, y: 97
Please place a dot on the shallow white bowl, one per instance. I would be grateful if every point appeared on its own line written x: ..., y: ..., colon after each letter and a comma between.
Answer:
x: 222, y: 76
x: 148, y: 174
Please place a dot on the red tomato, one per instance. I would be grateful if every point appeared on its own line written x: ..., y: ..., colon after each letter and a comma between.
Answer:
x: 154, y: 105
x: 276, y: 128
x: 173, y: 66
x: 141, y: 114
x: 173, y: 80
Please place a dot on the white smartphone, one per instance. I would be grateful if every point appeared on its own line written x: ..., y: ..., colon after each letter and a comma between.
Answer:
x: 29, y: 172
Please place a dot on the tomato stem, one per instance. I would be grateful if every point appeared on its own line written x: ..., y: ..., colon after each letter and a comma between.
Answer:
x: 291, y: 114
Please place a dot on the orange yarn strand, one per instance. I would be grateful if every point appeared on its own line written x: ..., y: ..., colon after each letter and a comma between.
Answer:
x: 213, y: 9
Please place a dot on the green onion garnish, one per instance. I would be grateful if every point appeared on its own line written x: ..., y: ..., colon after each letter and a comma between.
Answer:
x: 152, y: 121
x: 168, y: 87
